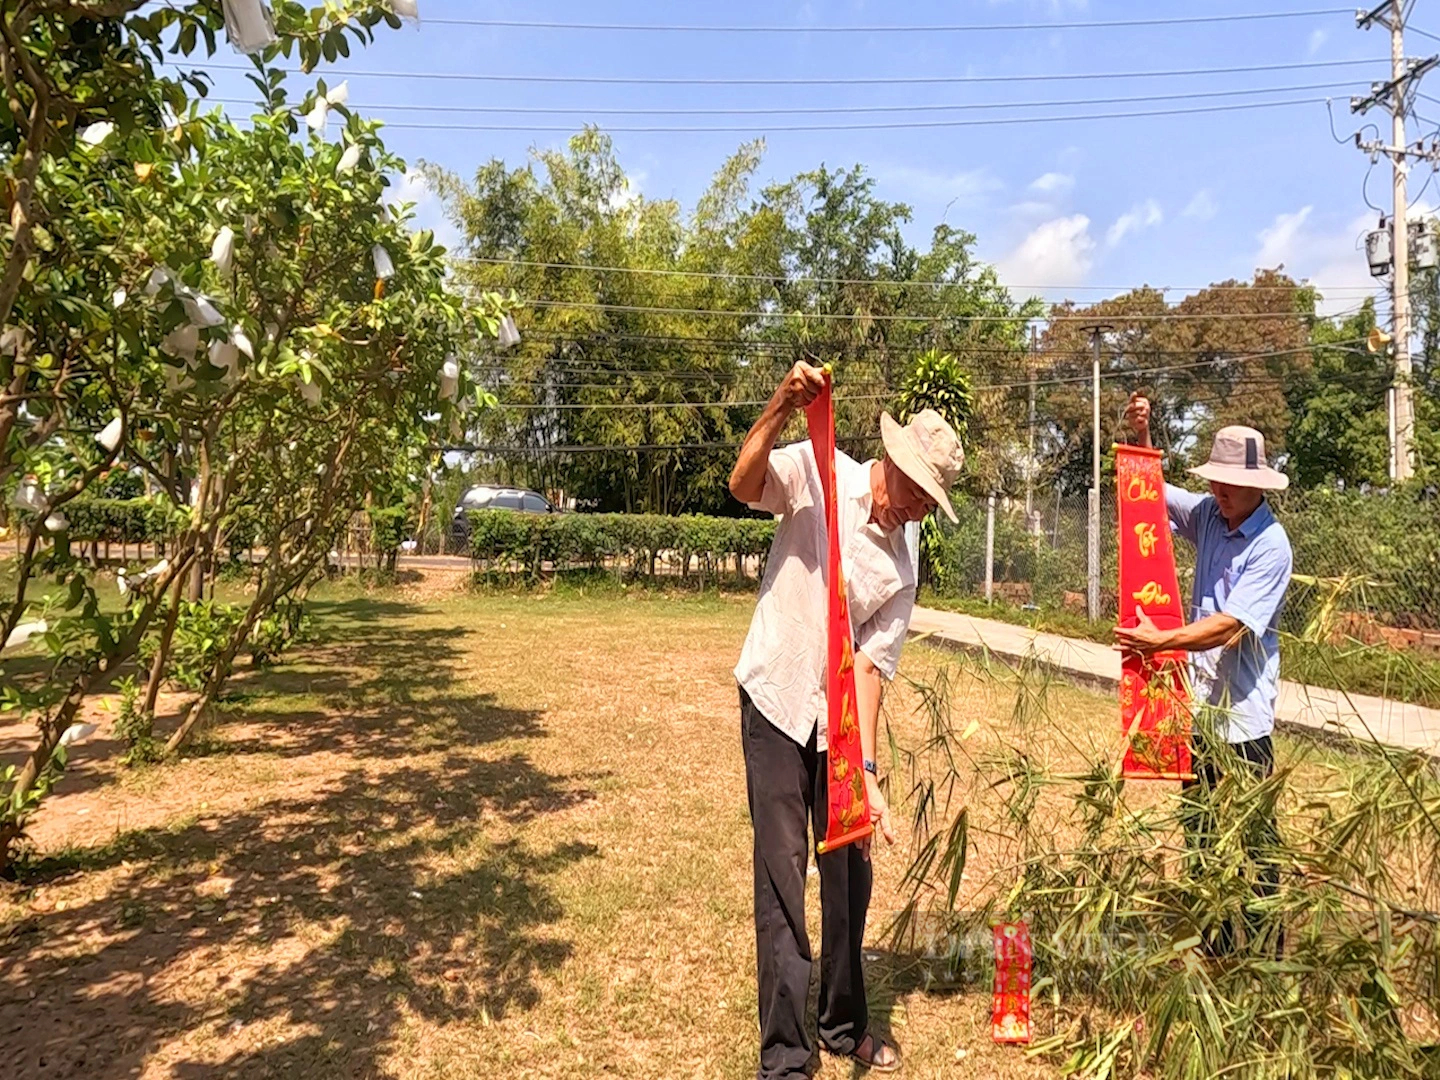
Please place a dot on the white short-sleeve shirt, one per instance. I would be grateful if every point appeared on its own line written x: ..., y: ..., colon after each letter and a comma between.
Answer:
x: 782, y: 665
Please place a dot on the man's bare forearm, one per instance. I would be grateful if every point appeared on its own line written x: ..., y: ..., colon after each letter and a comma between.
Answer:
x: 869, y: 689
x: 1208, y: 633
x: 747, y: 479
x: 798, y: 389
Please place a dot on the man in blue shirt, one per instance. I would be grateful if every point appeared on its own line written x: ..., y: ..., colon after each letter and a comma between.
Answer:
x: 1242, y: 570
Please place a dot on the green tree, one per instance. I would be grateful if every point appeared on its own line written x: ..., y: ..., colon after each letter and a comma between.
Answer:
x: 196, y: 301
x: 749, y: 282
x: 1341, y: 429
x: 1223, y: 355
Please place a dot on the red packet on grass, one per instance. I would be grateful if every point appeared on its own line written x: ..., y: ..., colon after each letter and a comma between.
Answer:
x: 1010, y: 1008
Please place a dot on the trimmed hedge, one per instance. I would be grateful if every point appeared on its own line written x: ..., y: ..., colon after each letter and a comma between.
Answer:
x: 388, y: 527
x: 129, y: 521
x: 506, y: 539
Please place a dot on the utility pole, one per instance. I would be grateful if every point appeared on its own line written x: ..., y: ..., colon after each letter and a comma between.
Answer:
x: 1030, y: 459
x: 1092, y: 599
x: 1398, y: 96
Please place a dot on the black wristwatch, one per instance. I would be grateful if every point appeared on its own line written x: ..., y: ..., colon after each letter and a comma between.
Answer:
x: 870, y: 768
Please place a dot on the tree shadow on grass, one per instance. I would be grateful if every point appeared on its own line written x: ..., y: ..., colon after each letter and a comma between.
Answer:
x: 387, y: 687
x: 296, y: 937
x: 315, y: 923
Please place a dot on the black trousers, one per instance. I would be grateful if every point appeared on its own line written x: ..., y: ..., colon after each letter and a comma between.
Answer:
x: 786, y: 783
x: 1258, y: 757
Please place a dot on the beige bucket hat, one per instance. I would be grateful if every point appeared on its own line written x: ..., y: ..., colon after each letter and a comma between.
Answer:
x: 1238, y: 458
x: 928, y: 451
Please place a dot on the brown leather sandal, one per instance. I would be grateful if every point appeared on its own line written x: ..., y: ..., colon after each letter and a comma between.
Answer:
x: 878, y: 1047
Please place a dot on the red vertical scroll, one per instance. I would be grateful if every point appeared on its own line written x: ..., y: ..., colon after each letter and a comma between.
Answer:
x: 849, y: 816
x: 1010, y: 1004
x: 1154, y: 699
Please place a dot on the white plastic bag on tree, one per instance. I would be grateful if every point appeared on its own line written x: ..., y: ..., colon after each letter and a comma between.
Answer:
x: 349, y: 159
x: 509, y: 334
x: 406, y: 9
x: 340, y: 95
x: 225, y: 356
x: 242, y: 342
x: 182, y: 342
x: 160, y: 569
x: 384, y: 265
x: 28, y: 495
x: 201, y: 310
x: 96, y: 134
x: 109, y: 436
x: 56, y: 522
x: 78, y: 733
x: 24, y: 632
x: 158, y: 279
x: 12, y: 341
x: 248, y: 25
x: 222, y: 251
x: 317, y: 117
x: 449, y: 379
x: 310, y: 391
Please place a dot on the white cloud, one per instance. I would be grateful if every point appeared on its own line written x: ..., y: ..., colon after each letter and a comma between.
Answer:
x: 1281, y: 239
x: 428, y: 210
x: 1053, y: 183
x: 1140, y: 216
x: 1331, y: 257
x: 1317, y: 39
x: 1201, y: 207
x: 966, y: 187
x: 631, y: 193
x: 1058, y: 252
x: 1032, y: 208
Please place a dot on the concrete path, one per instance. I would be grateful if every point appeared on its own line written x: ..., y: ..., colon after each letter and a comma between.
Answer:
x: 1413, y: 727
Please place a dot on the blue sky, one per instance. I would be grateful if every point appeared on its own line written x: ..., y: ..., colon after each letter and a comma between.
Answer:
x: 1088, y: 207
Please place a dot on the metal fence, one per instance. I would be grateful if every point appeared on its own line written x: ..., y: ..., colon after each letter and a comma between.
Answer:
x: 1367, y: 564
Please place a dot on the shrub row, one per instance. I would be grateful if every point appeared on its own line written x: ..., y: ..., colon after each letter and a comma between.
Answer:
x: 129, y: 521
x: 530, y: 541
x: 1386, y: 545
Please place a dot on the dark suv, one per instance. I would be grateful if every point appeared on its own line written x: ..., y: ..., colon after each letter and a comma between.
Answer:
x: 487, y: 497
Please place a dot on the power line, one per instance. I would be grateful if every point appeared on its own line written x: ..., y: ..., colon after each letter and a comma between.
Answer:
x: 581, y: 305
x: 1212, y: 361
x: 904, y: 80
x: 894, y: 125
x: 730, y: 344
x: 827, y: 109
x: 642, y: 405
x: 701, y: 28
x: 884, y: 282
x: 580, y: 448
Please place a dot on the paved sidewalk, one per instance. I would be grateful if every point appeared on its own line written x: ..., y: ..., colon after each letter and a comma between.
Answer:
x: 1413, y: 727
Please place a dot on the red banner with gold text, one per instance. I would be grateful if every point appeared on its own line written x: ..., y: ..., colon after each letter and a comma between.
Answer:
x: 849, y: 817
x: 1010, y: 1002
x: 1154, y: 699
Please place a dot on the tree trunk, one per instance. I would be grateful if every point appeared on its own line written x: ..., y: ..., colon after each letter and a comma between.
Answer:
x: 425, y: 516
x: 162, y: 654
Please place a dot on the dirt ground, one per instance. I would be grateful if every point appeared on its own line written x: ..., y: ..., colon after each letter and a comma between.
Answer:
x: 455, y: 836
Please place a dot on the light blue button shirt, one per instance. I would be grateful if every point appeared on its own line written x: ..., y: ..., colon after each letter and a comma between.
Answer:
x: 1243, y: 573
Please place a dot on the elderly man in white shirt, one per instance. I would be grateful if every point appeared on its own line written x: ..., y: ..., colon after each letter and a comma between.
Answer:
x: 782, y: 703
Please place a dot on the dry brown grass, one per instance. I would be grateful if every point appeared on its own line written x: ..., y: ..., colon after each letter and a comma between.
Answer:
x: 458, y: 837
